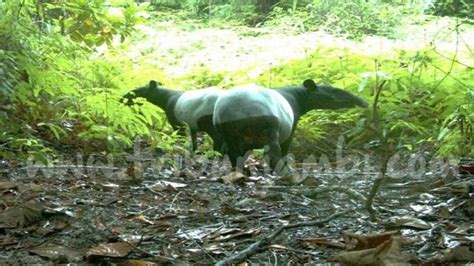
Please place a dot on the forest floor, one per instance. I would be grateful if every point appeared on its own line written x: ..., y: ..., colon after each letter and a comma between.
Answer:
x: 169, y: 209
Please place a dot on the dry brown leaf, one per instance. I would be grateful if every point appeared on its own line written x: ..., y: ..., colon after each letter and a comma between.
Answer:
x: 278, y: 248
x: 238, y: 219
x: 267, y: 195
x: 213, y: 249
x: 167, y: 186
x: 7, y: 185
x: 314, y: 242
x: 457, y: 254
x: 360, y: 242
x: 255, y: 178
x: 12, y: 218
x: 141, y: 218
x: 233, y: 178
x: 162, y: 224
x: 139, y: 263
x: 241, y: 234
x: 197, y: 234
x: 424, y: 209
x: 412, y: 222
x: 470, y: 207
x: 116, y: 250
x: 8, y: 241
x: 20, y: 216
x: 287, y: 180
x: 227, y: 209
x: 109, y: 186
x: 174, y: 185
x: 461, y: 187
x: 121, y: 175
x: 387, y: 253
x: 224, y: 231
x: 33, y: 187
x: 57, y: 253
x: 135, y: 170
x: 461, y: 230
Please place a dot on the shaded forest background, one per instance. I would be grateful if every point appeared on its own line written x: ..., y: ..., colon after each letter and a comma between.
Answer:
x: 65, y: 64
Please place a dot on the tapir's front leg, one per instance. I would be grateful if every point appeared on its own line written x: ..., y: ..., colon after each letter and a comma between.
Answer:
x: 194, y: 140
x: 274, y: 150
x: 278, y: 156
x: 285, y: 146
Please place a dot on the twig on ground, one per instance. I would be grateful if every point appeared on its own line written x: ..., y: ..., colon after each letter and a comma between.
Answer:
x: 349, y: 191
x: 267, y: 240
x: 196, y: 242
x: 171, y: 210
x: 376, y: 127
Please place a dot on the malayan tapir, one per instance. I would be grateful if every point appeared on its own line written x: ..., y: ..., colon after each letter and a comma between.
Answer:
x: 250, y: 116
x: 192, y: 108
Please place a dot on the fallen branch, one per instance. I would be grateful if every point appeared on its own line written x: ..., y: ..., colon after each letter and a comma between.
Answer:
x: 344, y: 189
x: 267, y: 240
x: 310, y: 190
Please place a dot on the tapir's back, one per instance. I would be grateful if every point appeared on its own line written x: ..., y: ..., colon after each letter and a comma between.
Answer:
x: 195, y: 104
x: 252, y: 101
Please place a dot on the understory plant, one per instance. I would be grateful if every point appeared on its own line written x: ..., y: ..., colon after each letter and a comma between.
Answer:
x: 56, y: 95
x: 425, y: 102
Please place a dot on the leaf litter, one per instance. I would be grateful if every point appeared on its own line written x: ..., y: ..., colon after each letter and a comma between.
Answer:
x: 229, y: 218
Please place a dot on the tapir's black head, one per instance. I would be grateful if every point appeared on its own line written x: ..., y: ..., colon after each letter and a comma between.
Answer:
x: 148, y: 92
x: 323, y: 96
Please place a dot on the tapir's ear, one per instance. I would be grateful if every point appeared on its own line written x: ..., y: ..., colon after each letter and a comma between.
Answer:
x: 309, y: 84
x: 153, y: 84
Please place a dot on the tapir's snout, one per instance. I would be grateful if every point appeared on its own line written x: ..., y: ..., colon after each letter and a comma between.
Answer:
x: 345, y: 99
x: 127, y: 99
x: 328, y: 97
x: 362, y: 103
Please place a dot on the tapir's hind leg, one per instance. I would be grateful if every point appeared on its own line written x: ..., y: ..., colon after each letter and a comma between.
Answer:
x: 229, y: 141
x: 235, y: 153
x: 216, y: 139
x: 243, y: 135
x: 217, y: 142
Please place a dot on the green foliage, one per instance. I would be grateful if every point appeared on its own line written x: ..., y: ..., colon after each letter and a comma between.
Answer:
x: 424, y: 100
x: 55, y: 95
x: 455, y: 8
x: 243, y: 11
x: 292, y: 20
x: 166, y: 3
x: 355, y: 18
x: 202, y: 77
x: 92, y: 22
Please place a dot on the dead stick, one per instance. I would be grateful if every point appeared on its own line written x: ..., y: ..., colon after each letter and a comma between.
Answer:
x: 308, y: 189
x: 266, y: 241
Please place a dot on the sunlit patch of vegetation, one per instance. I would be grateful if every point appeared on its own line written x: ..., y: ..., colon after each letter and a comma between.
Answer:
x: 425, y: 103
